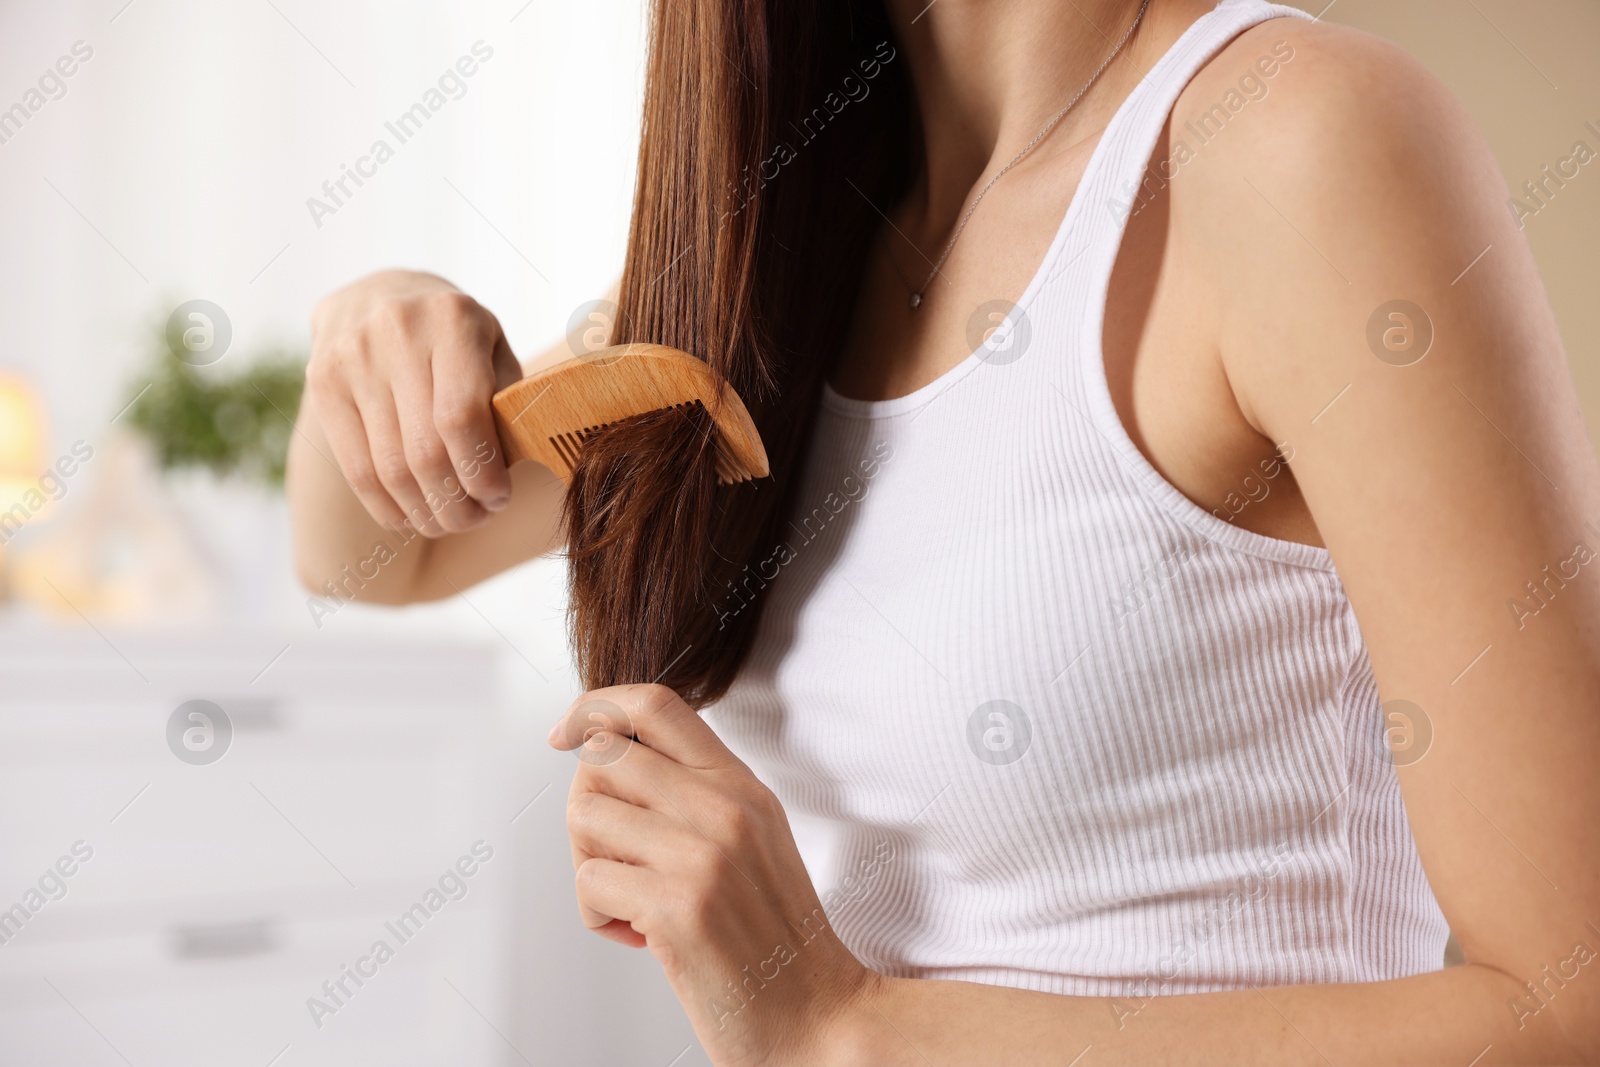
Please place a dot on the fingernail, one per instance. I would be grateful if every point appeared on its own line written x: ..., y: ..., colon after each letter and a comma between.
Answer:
x: 497, y: 502
x: 556, y: 730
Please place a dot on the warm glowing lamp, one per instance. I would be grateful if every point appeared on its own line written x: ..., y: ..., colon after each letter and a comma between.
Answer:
x: 21, y: 456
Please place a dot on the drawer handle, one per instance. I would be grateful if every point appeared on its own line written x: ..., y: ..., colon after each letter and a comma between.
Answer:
x: 252, y: 714
x: 216, y: 941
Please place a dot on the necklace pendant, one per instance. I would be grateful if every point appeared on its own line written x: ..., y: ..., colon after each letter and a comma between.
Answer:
x: 916, y: 301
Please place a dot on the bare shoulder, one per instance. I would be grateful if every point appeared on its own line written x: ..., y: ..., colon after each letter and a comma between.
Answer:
x: 1305, y: 92
x: 1318, y: 113
x: 1318, y: 173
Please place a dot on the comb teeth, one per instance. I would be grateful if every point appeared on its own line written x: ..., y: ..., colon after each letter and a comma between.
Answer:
x: 569, y: 446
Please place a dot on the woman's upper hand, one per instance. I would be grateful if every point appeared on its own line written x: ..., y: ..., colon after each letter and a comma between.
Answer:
x: 403, y: 367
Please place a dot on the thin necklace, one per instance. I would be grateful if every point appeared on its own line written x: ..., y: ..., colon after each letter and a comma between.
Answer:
x: 916, y: 294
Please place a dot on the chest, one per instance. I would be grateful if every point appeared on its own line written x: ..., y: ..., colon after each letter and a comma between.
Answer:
x: 1165, y: 375
x: 1046, y: 640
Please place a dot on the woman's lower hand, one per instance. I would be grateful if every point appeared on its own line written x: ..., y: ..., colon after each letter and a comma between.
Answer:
x: 679, y: 848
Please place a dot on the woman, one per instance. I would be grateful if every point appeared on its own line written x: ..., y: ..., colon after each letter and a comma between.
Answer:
x: 1169, y: 616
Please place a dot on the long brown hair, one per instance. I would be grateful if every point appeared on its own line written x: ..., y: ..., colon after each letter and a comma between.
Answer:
x: 773, y: 132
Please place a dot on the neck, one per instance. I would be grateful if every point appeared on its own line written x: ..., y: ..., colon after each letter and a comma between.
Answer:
x: 989, y: 74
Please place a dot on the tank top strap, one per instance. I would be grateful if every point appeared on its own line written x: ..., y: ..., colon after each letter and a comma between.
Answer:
x: 1119, y: 179
x: 1117, y: 184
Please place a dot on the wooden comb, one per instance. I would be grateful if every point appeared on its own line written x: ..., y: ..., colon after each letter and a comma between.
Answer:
x: 552, y: 413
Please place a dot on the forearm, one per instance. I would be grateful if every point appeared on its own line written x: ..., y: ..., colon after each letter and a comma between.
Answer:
x: 1448, y: 1017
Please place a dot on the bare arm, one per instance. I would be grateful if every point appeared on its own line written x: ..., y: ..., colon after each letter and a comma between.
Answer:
x: 395, y: 456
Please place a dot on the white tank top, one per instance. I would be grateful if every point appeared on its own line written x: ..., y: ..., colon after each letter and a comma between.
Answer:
x: 1037, y: 718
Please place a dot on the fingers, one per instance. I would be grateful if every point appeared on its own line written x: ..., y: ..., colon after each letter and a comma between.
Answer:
x: 389, y: 460
x: 621, y: 817
x: 507, y: 370
x: 427, y: 457
x: 591, y: 812
x: 637, y: 774
x: 605, y: 827
x: 622, y: 933
x: 347, y: 437
x: 463, y: 385
x: 620, y: 890
x: 652, y: 713
x: 592, y: 918
x: 681, y: 808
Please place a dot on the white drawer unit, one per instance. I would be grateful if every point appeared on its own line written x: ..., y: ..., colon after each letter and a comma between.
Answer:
x: 160, y: 911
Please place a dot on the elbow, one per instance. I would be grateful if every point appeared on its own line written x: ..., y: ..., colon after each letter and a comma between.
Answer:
x: 1558, y: 1019
x: 308, y: 576
x: 387, y: 572
x: 319, y: 577
x: 352, y: 583
x: 1580, y: 1027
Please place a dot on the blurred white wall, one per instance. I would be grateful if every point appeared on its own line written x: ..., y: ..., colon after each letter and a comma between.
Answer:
x: 193, y: 137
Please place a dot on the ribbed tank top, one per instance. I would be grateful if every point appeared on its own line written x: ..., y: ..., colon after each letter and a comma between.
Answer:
x: 1037, y: 718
